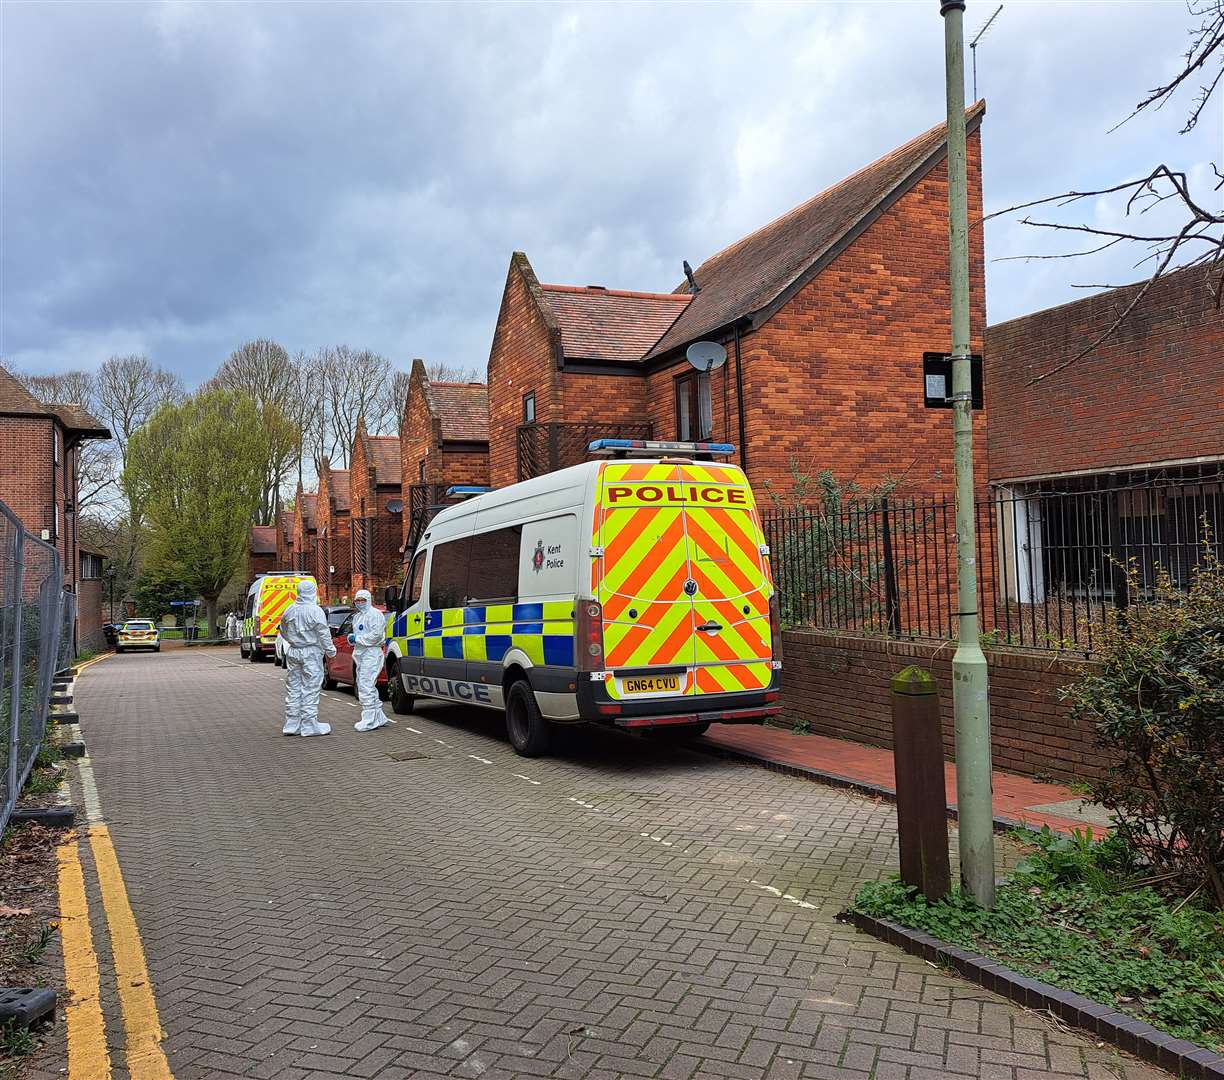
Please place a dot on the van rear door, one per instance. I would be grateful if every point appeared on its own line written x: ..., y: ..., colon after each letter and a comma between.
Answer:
x: 275, y: 594
x: 682, y: 581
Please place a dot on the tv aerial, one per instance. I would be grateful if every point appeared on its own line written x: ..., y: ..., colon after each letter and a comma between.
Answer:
x: 706, y: 356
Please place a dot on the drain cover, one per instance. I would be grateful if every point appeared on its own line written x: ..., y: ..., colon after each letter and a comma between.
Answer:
x: 406, y: 755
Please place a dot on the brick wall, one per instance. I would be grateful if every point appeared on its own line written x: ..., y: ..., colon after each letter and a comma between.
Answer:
x: 91, y: 614
x: 523, y: 358
x: 601, y: 398
x: 25, y: 448
x: 259, y: 563
x: 839, y: 684
x: 834, y: 379
x: 1166, y: 407
x: 464, y: 466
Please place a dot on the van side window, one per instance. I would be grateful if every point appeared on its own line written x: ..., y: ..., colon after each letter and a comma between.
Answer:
x: 416, y: 575
x: 493, y: 577
x: 250, y: 608
x: 448, y: 574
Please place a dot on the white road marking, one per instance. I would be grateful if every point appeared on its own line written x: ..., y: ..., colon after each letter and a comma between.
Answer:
x: 89, y: 791
x: 413, y: 730
x: 589, y: 806
x: 781, y: 895
x: 442, y: 741
x: 482, y: 760
x: 527, y: 778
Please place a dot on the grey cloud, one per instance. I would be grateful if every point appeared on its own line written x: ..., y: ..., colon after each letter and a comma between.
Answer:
x: 183, y: 177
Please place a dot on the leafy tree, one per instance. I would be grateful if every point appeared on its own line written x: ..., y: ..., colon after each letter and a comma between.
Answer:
x: 198, y: 470
x: 263, y: 371
x: 154, y: 590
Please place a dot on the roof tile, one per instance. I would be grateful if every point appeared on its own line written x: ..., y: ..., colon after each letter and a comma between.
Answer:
x: 385, y: 450
x: 463, y: 409
x: 611, y: 324
x: 263, y: 540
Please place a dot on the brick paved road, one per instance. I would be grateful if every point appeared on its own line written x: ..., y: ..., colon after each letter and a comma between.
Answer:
x: 425, y: 903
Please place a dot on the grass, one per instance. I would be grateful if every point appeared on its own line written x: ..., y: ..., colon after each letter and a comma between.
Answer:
x: 43, y: 782
x: 16, y: 1041
x: 1084, y: 915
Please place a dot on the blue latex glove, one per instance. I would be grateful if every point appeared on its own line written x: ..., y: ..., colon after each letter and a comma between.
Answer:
x: 352, y: 639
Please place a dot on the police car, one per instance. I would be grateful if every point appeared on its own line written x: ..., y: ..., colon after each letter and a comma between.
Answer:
x: 632, y: 591
x: 138, y: 634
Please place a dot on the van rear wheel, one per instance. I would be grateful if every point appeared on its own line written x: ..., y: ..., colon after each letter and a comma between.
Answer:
x: 529, y: 732
x: 680, y: 732
x: 402, y: 702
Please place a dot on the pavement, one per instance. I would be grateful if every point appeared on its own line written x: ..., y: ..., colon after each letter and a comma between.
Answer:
x: 1017, y: 800
x: 421, y: 902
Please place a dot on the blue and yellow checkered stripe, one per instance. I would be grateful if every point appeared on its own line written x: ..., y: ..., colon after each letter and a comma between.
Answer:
x: 544, y: 632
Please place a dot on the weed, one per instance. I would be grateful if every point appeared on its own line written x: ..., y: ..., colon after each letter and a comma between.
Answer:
x: 43, y: 781
x: 16, y: 1041
x: 33, y: 952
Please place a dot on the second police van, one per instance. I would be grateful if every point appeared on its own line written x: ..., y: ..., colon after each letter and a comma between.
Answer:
x: 632, y: 591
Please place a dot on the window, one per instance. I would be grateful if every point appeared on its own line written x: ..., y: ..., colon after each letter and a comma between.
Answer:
x: 250, y: 605
x: 694, y: 407
x: 412, y: 584
x: 493, y: 578
x: 91, y: 566
x: 346, y: 627
x: 529, y: 413
x: 55, y: 442
x: 421, y: 472
x: 448, y: 574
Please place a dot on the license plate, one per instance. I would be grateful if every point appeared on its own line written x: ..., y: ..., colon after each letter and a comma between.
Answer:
x: 650, y: 684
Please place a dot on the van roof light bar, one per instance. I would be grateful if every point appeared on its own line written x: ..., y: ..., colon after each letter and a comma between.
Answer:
x: 621, y: 448
x: 465, y: 491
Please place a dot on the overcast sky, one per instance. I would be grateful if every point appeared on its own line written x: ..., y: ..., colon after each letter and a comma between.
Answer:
x: 179, y: 178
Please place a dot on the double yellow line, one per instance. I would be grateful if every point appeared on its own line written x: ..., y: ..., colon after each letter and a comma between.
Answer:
x: 88, y: 1053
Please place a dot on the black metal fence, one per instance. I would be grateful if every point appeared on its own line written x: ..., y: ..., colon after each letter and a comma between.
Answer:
x: 544, y: 448
x: 1053, y: 560
x: 34, y: 612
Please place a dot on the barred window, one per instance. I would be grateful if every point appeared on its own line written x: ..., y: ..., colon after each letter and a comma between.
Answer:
x: 493, y: 578
x: 448, y: 570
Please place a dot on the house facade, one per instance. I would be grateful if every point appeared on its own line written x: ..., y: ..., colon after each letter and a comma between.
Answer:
x: 305, y: 530
x: 377, y: 507
x: 1114, y: 458
x: 825, y: 314
x: 444, y: 442
x: 334, y: 535
x: 261, y: 551
x: 41, y: 446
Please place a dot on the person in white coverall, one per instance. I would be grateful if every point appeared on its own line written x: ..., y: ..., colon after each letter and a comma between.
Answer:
x: 307, y: 639
x: 369, y: 632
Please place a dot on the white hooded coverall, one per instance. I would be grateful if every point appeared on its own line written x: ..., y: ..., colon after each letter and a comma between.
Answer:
x: 369, y: 632
x: 307, y: 639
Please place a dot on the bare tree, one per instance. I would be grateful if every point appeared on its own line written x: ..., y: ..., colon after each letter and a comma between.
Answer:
x: 127, y: 391
x: 262, y: 370
x: 356, y: 387
x: 440, y: 371
x: 1197, y: 235
x: 397, y: 397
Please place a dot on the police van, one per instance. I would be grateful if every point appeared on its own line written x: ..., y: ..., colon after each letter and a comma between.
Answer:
x: 267, y: 599
x: 633, y: 590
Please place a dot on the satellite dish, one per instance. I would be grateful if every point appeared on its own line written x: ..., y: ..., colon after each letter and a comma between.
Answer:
x: 395, y: 506
x: 706, y: 355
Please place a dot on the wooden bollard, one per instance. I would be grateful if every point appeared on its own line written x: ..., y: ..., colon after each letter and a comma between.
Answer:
x: 922, y: 818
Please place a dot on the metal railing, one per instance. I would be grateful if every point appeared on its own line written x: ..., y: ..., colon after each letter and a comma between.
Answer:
x: 544, y: 448
x: 34, y: 611
x: 1055, y: 562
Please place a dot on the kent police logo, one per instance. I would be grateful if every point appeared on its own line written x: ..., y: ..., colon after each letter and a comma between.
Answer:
x: 537, y: 557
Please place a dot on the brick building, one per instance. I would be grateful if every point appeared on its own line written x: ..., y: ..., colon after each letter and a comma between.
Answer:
x: 262, y: 557
x: 444, y: 441
x: 825, y: 314
x: 286, y: 556
x: 305, y: 529
x: 377, y: 507
x: 40, y: 445
x: 334, y: 535
x: 1121, y: 455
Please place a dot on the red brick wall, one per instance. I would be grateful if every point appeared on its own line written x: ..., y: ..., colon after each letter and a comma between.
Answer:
x: 661, y: 400
x: 523, y: 358
x: 25, y: 448
x: 465, y: 466
x: 834, y: 379
x: 261, y: 564
x: 1165, y: 406
x: 91, y: 614
x: 601, y: 398
x: 840, y: 685
x: 418, y: 435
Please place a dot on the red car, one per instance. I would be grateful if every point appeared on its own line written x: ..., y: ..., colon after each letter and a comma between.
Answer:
x: 339, y: 668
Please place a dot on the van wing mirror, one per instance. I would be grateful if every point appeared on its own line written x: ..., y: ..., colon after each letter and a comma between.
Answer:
x: 391, y: 598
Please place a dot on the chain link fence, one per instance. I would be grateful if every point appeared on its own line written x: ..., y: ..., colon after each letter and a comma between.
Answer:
x: 36, y: 620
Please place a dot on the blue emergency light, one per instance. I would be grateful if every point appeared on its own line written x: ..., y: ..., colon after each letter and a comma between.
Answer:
x: 641, y: 447
x: 465, y: 491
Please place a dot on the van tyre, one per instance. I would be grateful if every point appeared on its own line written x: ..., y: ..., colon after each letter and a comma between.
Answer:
x: 402, y: 702
x: 530, y: 734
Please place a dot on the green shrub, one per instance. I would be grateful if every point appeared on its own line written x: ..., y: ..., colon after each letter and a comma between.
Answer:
x: 1157, y: 705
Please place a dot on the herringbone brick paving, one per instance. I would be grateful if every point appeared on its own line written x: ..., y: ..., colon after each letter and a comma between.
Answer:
x: 316, y: 908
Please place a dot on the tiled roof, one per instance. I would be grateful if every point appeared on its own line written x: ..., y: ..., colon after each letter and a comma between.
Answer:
x: 463, y: 409
x: 15, y: 398
x: 610, y: 324
x: 263, y: 539
x: 309, y: 503
x: 755, y: 272
x: 385, y: 452
x: 341, y: 489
